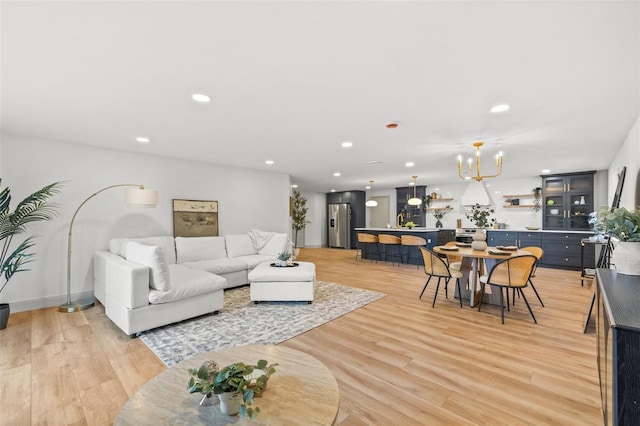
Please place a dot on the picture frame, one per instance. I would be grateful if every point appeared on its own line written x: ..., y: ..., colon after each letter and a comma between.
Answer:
x: 195, y: 218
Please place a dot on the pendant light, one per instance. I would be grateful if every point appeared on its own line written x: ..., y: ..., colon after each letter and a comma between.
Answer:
x: 415, y: 201
x: 370, y: 202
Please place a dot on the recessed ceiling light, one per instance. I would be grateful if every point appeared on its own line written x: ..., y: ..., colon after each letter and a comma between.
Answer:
x: 347, y: 144
x: 545, y: 171
x: 367, y: 187
x: 333, y: 190
x: 409, y: 164
x: 500, y: 108
x: 294, y: 186
x: 142, y: 139
x: 269, y: 162
x: 411, y: 183
x: 201, y: 97
x: 436, y: 189
x: 336, y: 174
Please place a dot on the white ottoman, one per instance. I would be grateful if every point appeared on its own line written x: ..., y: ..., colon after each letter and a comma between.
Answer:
x: 282, y: 284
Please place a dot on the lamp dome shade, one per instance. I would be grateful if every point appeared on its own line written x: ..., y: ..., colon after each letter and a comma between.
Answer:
x: 141, y: 197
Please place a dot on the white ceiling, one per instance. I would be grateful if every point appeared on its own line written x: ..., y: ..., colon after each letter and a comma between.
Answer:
x: 291, y: 80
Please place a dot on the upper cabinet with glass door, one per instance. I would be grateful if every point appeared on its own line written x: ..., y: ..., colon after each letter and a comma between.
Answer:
x: 567, y: 201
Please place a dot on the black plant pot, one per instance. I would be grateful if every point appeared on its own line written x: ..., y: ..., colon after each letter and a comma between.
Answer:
x: 5, y: 310
x: 438, y: 224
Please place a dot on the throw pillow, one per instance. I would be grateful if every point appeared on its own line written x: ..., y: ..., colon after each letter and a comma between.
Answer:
x: 153, y: 258
x: 276, y: 245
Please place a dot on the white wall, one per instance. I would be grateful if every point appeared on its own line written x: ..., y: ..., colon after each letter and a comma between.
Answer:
x: 247, y: 199
x: 629, y: 156
x: 315, y: 234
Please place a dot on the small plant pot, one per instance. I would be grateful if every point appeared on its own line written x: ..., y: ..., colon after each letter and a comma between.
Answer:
x: 230, y: 402
x: 5, y: 310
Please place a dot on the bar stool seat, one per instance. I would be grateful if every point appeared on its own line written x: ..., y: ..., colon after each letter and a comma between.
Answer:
x: 393, y: 241
x: 413, y: 241
x: 364, y: 240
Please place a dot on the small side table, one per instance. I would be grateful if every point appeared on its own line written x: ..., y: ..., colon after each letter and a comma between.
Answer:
x: 301, y: 392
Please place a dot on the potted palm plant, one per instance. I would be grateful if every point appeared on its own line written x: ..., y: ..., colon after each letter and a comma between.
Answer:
x: 236, y: 384
x: 298, y: 218
x: 34, y: 208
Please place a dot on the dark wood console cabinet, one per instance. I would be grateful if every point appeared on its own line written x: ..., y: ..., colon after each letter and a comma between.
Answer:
x: 618, y: 342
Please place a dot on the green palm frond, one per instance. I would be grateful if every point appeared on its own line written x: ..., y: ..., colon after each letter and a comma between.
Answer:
x: 34, y: 208
x: 13, y: 263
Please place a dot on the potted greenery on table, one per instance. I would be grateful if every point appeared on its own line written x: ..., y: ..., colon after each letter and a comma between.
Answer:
x: 624, y: 227
x: 236, y: 385
x: 481, y: 216
x: 34, y: 208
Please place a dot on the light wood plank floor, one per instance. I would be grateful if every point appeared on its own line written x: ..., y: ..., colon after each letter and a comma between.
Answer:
x: 397, y: 361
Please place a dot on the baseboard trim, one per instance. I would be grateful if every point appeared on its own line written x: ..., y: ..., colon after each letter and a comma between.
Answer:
x: 47, y: 302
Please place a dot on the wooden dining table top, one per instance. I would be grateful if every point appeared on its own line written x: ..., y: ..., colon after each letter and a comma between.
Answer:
x: 482, y: 254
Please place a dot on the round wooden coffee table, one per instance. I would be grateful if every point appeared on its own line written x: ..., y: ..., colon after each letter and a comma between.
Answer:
x: 301, y: 392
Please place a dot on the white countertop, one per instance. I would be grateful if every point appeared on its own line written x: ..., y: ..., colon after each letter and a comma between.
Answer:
x: 420, y: 229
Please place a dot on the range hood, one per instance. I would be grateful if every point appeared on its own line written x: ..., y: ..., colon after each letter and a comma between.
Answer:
x: 476, y: 193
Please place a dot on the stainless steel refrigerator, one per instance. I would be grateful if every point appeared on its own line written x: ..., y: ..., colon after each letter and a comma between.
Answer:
x: 339, y: 225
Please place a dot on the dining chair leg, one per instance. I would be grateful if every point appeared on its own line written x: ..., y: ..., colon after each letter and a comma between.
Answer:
x: 536, y: 292
x: 446, y: 287
x: 482, y: 285
x: 425, y: 286
x: 459, y: 291
x: 507, y: 290
x: 527, y: 303
x: 433, y: 305
x: 502, y: 304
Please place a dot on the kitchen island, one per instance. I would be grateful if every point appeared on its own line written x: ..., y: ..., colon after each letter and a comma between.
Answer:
x: 409, y: 254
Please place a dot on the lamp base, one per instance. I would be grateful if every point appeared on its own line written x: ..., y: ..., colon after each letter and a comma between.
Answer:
x: 78, y: 305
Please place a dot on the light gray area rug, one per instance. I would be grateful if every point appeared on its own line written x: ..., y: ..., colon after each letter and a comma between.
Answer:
x: 242, y: 322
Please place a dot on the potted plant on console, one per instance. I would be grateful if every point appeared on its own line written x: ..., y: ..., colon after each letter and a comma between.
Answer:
x: 236, y: 385
x: 623, y: 226
x: 298, y: 218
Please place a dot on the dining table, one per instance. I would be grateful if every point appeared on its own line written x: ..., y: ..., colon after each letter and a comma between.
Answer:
x: 475, y: 261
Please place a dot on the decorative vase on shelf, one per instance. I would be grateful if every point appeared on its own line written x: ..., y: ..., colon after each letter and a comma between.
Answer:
x: 479, y: 240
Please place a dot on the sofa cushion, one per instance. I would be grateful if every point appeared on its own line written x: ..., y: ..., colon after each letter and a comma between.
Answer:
x: 192, y: 249
x: 276, y: 245
x: 255, y: 259
x: 239, y: 245
x: 118, y: 246
x: 218, y: 266
x: 187, y: 283
x: 153, y: 258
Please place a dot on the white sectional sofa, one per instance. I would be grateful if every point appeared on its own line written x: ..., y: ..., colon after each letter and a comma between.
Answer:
x: 145, y: 283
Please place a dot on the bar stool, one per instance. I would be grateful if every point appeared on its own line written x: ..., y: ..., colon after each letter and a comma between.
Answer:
x: 392, y: 240
x: 413, y: 241
x: 363, y: 240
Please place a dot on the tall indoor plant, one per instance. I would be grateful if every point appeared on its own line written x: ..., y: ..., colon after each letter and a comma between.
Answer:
x: 34, y: 208
x: 298, y: 216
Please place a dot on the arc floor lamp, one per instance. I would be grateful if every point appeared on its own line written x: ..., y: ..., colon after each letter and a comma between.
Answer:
x: 138, y: 197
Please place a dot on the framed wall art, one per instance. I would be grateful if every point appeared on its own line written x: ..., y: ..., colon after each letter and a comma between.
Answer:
x: 195, y: 218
